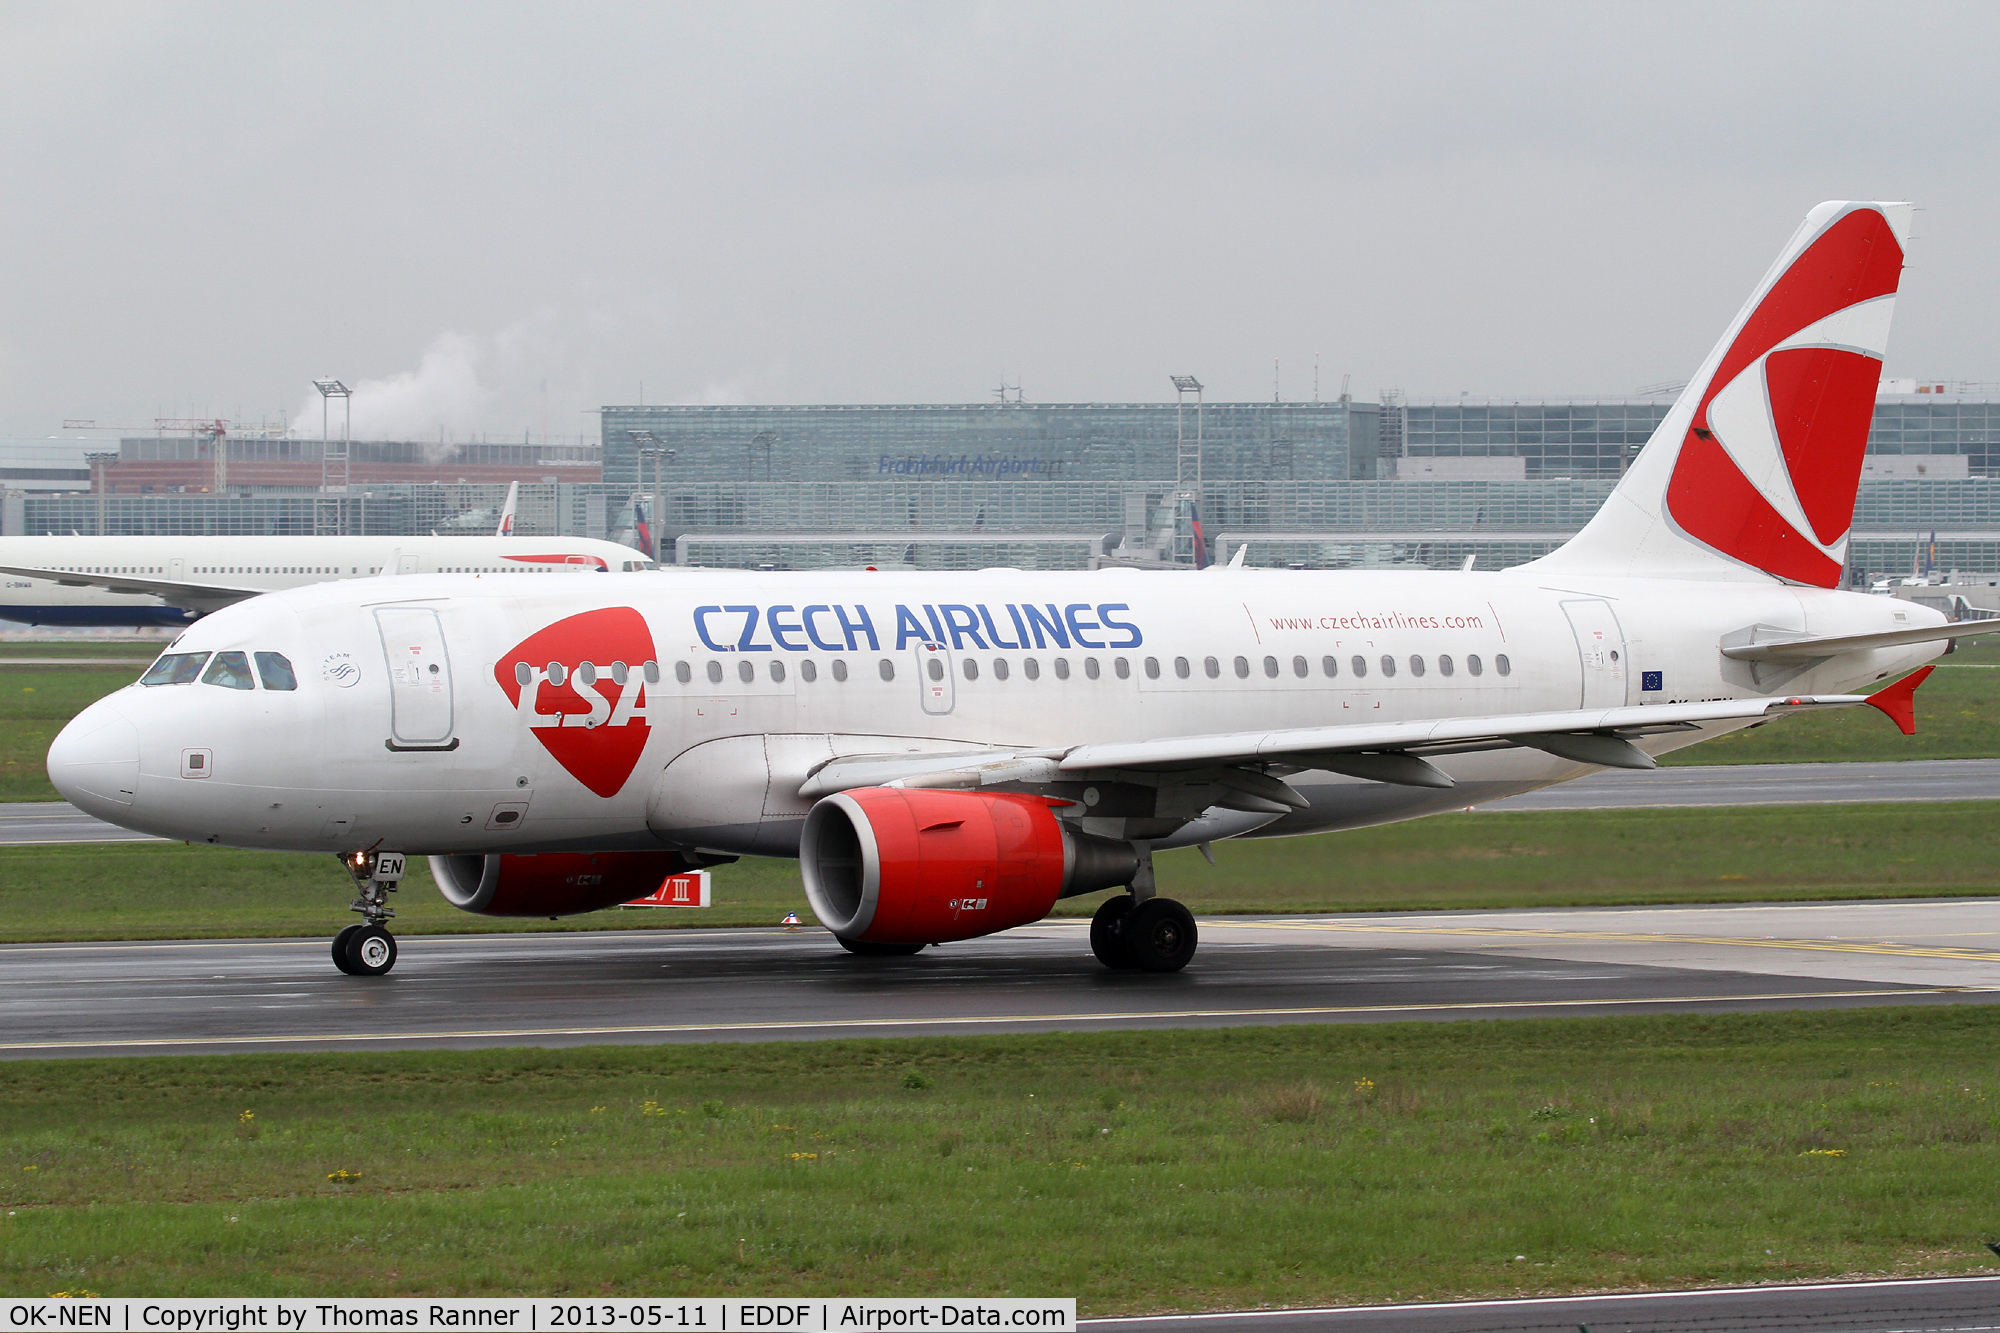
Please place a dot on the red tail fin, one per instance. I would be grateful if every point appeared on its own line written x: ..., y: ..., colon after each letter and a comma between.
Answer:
x: 1754, y: 471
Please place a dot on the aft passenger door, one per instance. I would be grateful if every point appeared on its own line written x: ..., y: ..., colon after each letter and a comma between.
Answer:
x: 934, y: 679
x: 420, y: 704
x: 1600, y: 647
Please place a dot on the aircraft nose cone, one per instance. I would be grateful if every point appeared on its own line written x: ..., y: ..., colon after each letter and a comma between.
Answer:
x: 94, y: 762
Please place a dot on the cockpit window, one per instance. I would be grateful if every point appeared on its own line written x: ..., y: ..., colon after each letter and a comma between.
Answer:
x: 174, y: 669
x: 275, y: 670
x: 231, y: 671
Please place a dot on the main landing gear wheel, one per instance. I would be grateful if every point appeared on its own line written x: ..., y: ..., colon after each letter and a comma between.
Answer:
x: 870, y: 949
x: 364, y: 951
x: 1106, y: 928
x: 1159, y: 936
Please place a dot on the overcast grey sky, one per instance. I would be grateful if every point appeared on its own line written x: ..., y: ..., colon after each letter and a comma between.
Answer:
x: 206, y: 205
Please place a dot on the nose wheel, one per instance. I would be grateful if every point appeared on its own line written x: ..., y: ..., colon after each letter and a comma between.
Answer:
x: 366, y: 948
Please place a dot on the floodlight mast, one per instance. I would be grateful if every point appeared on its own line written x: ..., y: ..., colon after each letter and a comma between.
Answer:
x: 649, y: 446
x: 1187, y: 498
x: 329, y: 389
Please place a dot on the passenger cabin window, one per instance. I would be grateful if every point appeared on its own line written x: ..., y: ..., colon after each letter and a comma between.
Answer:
x: 888, y: 668
x: 1033, y: 668
x: 715, y: 673
x: 1122, y: 667
x: 1388, y: 665
x: 1062, y: 668
x: 1181, y: 667
x: 1211, y: 667
x: 1000, y: 668
x: 1329, y: 667
x: 1271, y: 667
x: 971, y: 669
x: 1359, y: 665
x: 777, y: 670
x: 1416, y: 666
x: 683, y: 672
x: 808, y: 672
x: 275, y: 670
x: 1090, y: 668
x: 1302, y: 668
x: 1242, y: 668
x: 1152, y: 668
x: 1502, y: 665
x: 174, y: 669
x: 1445, y: 667
x: 230, y: 670
x: 1473, y: 665
x: 839, y: 669
x: 932, y: 665
x: 745, y: 672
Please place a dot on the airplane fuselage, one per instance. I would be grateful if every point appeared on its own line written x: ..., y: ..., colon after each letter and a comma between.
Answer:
x: 263, y: 563
x: 485, y: 714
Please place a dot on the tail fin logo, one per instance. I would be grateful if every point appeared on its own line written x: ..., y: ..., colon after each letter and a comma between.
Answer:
x: 1771, y: 461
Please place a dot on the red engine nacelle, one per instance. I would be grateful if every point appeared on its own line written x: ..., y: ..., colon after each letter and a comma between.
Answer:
x: 890, y: 865
x: 552, y: 884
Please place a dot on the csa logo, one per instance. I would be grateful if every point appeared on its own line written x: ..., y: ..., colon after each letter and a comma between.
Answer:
x: 581, y: 685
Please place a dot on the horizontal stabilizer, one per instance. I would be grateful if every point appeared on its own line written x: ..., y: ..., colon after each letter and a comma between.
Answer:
x: 1794, y: 649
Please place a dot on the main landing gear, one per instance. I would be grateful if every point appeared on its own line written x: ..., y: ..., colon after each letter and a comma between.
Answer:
x: 367, y: 949
x: 1141, y: 931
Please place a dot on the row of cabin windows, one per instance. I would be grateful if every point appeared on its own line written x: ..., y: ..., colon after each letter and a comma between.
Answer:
x: 231, y: 670
x: 746, y: 670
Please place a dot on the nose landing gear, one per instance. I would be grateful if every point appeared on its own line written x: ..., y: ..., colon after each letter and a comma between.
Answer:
x: 367, y: 949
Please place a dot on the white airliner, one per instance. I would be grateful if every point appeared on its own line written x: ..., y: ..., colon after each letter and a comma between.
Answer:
x: 949, y: 754
x: 153, y: 581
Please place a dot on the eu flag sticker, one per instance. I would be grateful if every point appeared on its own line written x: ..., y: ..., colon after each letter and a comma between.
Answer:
x: 1651, y: 680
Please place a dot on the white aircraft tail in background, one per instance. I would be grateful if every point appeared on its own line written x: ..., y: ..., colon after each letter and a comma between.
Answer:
x: 506, y: 527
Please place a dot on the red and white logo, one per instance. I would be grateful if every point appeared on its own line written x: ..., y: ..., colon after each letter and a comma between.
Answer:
x: 1771, y: 462
x: 581, y: 687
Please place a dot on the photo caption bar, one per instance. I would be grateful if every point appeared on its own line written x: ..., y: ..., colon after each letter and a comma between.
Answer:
x: 127, y: 1314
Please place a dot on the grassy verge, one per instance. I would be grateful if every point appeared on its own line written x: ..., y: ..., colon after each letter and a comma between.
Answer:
x: 1137, y: 1171
x: 169, y: 890
x: 82, y: 649
x: 1958, y: 717
x: 35, y: 703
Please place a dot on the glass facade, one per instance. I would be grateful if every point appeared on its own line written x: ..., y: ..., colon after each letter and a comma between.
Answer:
x: 992, y: 444
x: 1061, y: 486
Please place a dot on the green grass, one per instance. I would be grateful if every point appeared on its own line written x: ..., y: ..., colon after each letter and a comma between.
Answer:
x: 171, y: 890
x: 35, y: 702
x: 83, y: 649
x: 1958, y: 717
x: 1136, y: 1171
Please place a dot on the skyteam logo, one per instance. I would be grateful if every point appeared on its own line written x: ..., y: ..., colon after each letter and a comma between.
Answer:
x: 1771, y: 461
x: 582, y: 686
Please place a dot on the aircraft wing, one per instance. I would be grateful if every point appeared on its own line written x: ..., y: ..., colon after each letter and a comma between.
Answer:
x: 202, y: 597
x: 1776, y: 650
x: 1391, y: 752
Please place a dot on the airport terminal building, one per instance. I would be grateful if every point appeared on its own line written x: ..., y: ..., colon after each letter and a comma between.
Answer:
x: 1417, y: 483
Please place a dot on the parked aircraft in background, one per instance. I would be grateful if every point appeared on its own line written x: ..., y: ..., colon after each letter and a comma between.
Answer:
x: 74, y: 581
x: 949, y: 754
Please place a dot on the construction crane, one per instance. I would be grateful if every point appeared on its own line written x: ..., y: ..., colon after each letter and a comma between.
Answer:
x: 214, y: 429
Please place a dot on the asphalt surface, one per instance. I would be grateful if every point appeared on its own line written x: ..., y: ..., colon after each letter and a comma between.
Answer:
x: 1964, y: 1305
x: 162, y: 997
x: 1769, y: 784
x: 27, y: 822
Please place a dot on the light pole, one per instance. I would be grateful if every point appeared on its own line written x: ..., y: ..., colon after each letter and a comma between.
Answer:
x: 650, y: 447
x: 330, y: 389
x: 1184, y: 495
